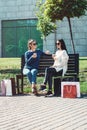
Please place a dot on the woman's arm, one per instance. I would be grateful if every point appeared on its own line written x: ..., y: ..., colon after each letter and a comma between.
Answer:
x: 61, y: 58
x: 64, y: 58
x: 30, y: 59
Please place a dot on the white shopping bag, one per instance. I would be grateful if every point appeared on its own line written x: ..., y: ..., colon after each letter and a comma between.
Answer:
x: 8, y: 86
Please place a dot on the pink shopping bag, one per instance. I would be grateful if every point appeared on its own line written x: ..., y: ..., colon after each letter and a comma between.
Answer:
x: 3, y: 88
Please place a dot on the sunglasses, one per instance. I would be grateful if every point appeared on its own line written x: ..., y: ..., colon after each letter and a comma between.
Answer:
x: 34, y: 44
x: 57, y: 43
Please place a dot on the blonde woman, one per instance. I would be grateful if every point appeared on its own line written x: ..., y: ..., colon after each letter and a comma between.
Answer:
x: 32, y: 57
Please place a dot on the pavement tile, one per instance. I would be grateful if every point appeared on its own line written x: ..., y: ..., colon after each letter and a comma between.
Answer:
x: 39, y: 113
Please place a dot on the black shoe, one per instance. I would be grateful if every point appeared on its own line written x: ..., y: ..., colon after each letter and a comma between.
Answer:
x: 42, y: 87
x: 49, y: 94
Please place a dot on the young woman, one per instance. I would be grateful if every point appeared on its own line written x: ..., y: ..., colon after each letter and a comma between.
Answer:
x: 59, y: 66
x: 32, y: 57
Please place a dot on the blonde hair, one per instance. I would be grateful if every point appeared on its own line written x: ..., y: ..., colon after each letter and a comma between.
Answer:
x: 30, y: 43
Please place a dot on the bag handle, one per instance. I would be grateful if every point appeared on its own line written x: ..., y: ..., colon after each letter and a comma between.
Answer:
x: 69, y: 88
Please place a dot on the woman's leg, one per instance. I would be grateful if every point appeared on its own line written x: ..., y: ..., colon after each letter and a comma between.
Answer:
x: 50, y: 73
x: 29, y: 75
x: 34, y: 76
x: 46, y: 76
x: 43, y: 85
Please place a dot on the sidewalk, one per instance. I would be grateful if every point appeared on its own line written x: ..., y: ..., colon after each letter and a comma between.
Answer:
x: 39, y: 113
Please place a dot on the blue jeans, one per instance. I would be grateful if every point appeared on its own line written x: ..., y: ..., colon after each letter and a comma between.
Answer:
x: 32, y: 74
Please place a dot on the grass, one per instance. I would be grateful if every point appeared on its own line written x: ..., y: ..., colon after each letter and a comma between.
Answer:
x: 9, y: 63
x: 9, y: 67
x: 83, y: 87
x: 83, y: 63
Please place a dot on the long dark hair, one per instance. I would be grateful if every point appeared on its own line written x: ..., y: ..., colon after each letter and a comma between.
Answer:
x: 63, y: 46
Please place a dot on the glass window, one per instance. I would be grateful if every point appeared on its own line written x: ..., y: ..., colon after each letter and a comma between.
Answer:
x: 15, y: 34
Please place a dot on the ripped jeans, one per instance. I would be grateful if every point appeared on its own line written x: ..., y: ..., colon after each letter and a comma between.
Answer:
x: 32, y: 75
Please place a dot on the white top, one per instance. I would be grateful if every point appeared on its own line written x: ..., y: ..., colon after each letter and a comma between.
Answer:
x: 61, y: 60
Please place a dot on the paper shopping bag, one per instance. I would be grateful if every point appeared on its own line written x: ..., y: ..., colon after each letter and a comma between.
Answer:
x: 3, y: 88
x: 8, y: 86
x: 70, y: 89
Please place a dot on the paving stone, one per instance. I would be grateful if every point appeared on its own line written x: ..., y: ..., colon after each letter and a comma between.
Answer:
x: 40, y: 113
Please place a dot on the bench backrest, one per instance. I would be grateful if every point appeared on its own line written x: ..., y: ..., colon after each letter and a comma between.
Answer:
x: 73, y: 64
x: 46, y: 61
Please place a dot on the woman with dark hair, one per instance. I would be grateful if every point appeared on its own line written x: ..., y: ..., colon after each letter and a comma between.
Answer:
x: 58, y: 68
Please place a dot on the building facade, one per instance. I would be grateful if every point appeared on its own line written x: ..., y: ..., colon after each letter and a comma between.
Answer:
x: 18, y: 23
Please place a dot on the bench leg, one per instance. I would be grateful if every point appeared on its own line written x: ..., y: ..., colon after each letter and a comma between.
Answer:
x: 13, y: 86
x: 22, y: 84
x: 18, y: 78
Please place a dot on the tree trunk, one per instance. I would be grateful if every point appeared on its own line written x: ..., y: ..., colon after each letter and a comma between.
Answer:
x: 55, y: 39
x: 45, y: 40
x: 71, y: 34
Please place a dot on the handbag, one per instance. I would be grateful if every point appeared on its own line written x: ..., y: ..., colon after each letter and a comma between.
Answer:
x: 25, y: 71
x: 70, y: 89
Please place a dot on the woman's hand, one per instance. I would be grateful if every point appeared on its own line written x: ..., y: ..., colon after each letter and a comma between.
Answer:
x: 47, y: 52
x: 53, y: 56
x: 34, y: 55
